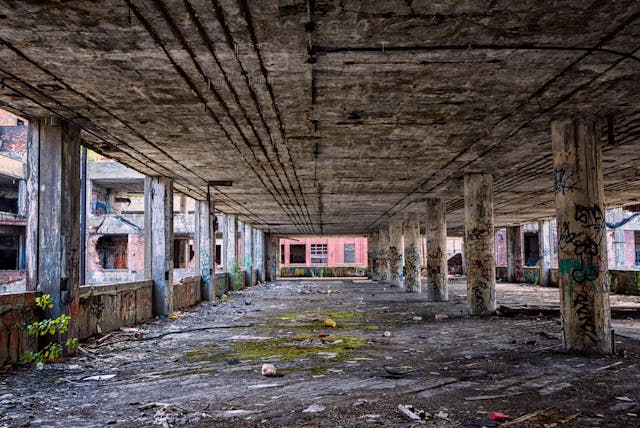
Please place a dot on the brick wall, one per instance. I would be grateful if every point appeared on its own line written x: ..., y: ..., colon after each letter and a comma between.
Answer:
x: 13, y: 141
x: 16, y: 312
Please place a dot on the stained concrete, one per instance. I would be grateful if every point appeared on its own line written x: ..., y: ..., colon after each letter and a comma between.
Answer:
x: 333, y: 118
x: 197, y: 372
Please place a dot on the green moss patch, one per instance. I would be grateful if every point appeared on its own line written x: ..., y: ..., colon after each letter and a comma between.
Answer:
x: 283, y: 349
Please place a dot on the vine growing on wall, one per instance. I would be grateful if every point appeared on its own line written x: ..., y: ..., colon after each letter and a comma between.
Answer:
x: 54, y: 328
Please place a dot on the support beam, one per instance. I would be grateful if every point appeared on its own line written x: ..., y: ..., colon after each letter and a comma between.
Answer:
x: 271, y: 259
x: 53, y: 238
x: 383, y: 255
x: 396, y: 254
x: 544, y: 241
x: 515, y: 254
x: 479, y: 244
x: 231, y: 243
x: 582, y: 246
x: 247, y: 250
x: 158, y: 241
x: 257, y: 259
x: 372, y: 256
x: 411, y: 235
x: 206, y: 247
x: 437, y: 288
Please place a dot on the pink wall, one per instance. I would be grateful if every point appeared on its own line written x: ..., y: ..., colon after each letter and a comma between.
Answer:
x: 335, y: 250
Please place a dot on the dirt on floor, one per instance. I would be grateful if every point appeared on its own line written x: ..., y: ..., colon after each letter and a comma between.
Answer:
x: 391, y: 356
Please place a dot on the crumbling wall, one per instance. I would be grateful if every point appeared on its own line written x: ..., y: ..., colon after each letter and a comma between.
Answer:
x: 106, y: 308
x: 187, y: 292
x: 16, y: 312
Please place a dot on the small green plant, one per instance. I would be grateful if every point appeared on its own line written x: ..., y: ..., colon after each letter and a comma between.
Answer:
x: 237, y: 277
x: 55, y: 327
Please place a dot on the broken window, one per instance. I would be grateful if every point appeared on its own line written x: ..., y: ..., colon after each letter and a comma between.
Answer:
x: 319, y: 253
x: 182, y: 253
x: 282, y: 253
x: 8, y: 252
x: 112, y: 251
x: 531, y: 249
x: 349, y: 253
x: 297, y: 254
x: 218, y: 254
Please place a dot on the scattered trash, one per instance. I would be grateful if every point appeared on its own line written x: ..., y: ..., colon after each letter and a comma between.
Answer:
x: 334, y: 371
x: 412, y: 413
x: 39, y: 366
x: 442, y: 316
x: 360, y: 402
x: 247, y: 301
x: 327, y: 355
x: 371, y: 417
x: 268, y: 370
x: 173, y: 317
x: 323, y: 335
x: 329, y: 322
x: 624, y: 398
x: 314, y: 408
x: 138, y: 335
x: 100, y: 377
x: 387, y: 334
x: 442, y: 415
x: 498, y: 416
x: 400, y: 371
x: 417, y: 318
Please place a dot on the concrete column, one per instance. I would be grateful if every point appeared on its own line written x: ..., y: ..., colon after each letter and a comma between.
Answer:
x: 437, y: 285
x: 231, y: 244
x: 544, y: 240
x: 186, y: 251
x: 373, y: 255
x: 206, y: 251
x: 479, y: 244
x: 396, y: 254
x: 515, y: 254
x: 22, y: 198
x: 53, y: 231
x: 271, y: 259
x: 412, y: 261
x: 582, y: 245
x: 383, y: 255
x: 258, y: 253
x: 33, y: 207
x: 247, y: 252
x: 158, y: 241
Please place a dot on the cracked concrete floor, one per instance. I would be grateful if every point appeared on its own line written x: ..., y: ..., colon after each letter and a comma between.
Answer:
x: 388, y: 348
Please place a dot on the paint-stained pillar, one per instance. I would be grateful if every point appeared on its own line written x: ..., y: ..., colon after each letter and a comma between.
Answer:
x: 206, y: 252
x: 479, y: 243
x: 271, y: 259
x: 247, y: 252
x: 257, y: 259
x: 158, y: 241
x: 53, y: 230
x: 515, y: 254
x: 412, y: 261
x: 231, y: 243
x: 544, y: 241
x: 582, y: 245
x: 396, y: 254
x: 437, y: 288
x: 372, y: 256
x: 383, y: 255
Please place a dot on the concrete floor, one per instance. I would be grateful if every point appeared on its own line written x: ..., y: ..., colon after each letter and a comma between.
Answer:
x: 388, y: 348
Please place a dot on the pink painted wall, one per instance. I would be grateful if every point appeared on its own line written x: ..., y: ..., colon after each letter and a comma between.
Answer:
x: 335, y: 250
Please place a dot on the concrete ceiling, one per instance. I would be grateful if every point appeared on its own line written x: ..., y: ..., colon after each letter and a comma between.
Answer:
x: 334, y: 116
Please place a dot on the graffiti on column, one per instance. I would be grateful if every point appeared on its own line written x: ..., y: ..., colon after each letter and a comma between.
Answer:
x: 205, y: 264
x: 564, y: 180
x: 394, y: 259
x: 583, y: 264
x: 412, y: 267
x: 479, y: 269
x: 434, y: 272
